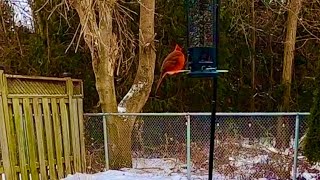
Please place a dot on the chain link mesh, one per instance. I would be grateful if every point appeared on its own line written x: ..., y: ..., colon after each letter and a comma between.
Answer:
x: 302, y: 163
x: 94, y: 141
x: 159, y: 137
x: 246, y: 147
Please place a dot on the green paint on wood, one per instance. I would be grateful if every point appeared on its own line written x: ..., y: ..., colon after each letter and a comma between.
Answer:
x: 81, y: 130
x: 37, y: 143
x: 9, y: 129
x: 40, y: 138
x: 75, y: 137
x: 30, y: 139
x: 4, y: 144
x: 69, y: 85
x: 57, y: 136
x: 49, y: 136
x: 66, y: 135
x: 17, y: 110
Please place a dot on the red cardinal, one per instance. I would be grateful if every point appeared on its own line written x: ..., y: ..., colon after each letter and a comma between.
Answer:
x: 172, y: 64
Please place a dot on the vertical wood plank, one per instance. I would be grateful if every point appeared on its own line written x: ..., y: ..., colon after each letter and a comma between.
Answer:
x: 21, y: 138
x: 4, y: 143
x: 66, y: 135
x: 57, y: 137
x: 49, y: 135
x: 69, y: 85
x: 14, y: 143
x: 9, y: 131
x: 75, y: 138
x: 81, y: 129
x: 40, y: 138
x: 30, y: 139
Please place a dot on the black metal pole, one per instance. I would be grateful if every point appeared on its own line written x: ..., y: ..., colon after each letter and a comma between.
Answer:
x: 213, y: 127
x: 216, y: 4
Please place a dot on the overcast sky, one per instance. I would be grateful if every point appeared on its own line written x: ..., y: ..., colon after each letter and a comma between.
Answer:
x: 22, y: 11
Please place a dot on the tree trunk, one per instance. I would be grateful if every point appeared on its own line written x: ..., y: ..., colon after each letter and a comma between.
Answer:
x: 141, y: 88
x: 289, y: 48
x: 283, y: 136
x: 96, y: 20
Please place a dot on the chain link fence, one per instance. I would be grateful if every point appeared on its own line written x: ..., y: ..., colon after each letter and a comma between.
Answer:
x: 247, y: 145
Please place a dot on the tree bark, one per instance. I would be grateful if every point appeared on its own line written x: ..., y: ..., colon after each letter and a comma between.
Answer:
x: 102, y: 42
x: 289, y: 48
x: 135, y: 100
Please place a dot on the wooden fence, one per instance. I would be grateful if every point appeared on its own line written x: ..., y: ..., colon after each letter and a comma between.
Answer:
x: 41, y: 127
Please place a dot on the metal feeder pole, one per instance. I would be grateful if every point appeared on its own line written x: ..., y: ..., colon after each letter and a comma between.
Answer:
x: 216, y: 4
x: 213, y: 125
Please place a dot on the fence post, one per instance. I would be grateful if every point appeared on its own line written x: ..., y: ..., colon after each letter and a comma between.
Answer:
x: 296, y: 146
x: 105, y: 135
x: 188, y: 147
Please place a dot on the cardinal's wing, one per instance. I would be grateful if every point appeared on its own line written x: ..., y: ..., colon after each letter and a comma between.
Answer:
x: 171, y: 61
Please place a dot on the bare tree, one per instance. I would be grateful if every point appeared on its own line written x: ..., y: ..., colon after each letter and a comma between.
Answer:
x: 96, y: 18
x: 289, y: 49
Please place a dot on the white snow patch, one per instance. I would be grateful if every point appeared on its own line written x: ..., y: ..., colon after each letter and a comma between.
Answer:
x: 135, y: 88
x: 121, y: 109
x: 145, y: 169
x: 307, y: 175
x: 115, y: 175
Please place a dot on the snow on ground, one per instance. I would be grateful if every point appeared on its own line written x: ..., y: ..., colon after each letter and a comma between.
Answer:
x: 168, y: 169
x: 234, y: 159
x: 115, y: 175
x: 146, y: 169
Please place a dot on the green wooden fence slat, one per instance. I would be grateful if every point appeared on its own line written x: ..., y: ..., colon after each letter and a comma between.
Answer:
x: 4, y: 144
x: 31, y: 139
x: 81, y: 130
x: 49, y: 137
x: 75, y: 137
x: 9, y: 128
x: 21, y: 138
x: 57, y: 136
x: 66, y: 135
x: 40, y: 138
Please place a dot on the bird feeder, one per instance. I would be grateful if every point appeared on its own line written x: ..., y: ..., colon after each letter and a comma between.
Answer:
x: 202, y: 18
x: 202, y: 43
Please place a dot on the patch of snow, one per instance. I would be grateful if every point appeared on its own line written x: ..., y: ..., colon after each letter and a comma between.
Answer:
x: 135, y: 88
x: 115, y: 175
x: 121, y: 109
x: 145, y: 169
x: 123, y: 175
x: 306, y: 175
x: 316, y: 166
x: 172, y: 169
x: 140, y: 163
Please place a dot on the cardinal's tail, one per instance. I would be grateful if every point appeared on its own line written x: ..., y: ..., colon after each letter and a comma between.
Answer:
x: 159, y: 82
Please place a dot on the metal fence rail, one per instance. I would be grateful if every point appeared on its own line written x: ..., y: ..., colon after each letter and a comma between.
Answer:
x: 246, y: 144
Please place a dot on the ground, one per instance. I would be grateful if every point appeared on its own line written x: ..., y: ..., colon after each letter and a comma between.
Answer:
x: 172, y: 169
